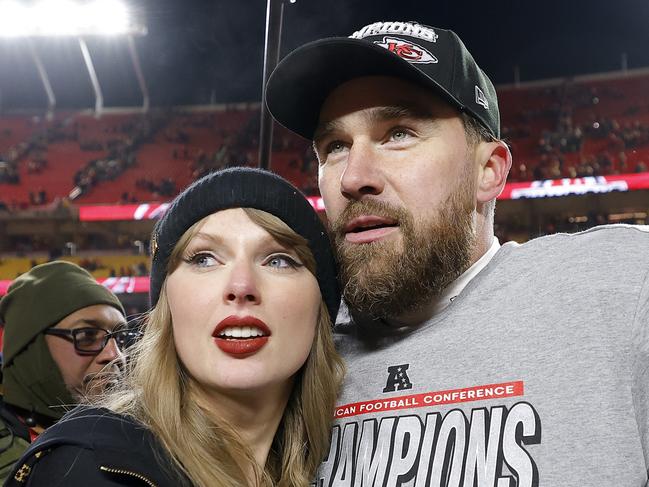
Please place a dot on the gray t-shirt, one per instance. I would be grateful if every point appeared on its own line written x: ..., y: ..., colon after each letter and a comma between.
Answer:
x: 536, y: 374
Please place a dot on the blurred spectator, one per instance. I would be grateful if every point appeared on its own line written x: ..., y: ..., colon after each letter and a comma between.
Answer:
x: 59, y: 326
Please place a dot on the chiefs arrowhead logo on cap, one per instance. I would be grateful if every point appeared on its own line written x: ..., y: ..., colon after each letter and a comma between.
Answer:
x: 411, y: 52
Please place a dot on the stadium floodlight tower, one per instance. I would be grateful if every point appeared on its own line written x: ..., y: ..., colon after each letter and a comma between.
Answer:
x: 274, y: 19
x: 76, y: 19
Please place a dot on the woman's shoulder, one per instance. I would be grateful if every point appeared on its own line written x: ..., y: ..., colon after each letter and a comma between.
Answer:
x: 58, y: 466
x: 92, y: 446
x: 96, y: 427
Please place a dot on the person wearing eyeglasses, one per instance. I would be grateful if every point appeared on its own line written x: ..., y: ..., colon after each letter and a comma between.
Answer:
x: 234, y: 380
x: 98, y: 337
x: 63, y: 340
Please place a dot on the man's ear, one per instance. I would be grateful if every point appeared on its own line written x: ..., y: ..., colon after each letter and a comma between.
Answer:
x: 495, y: 163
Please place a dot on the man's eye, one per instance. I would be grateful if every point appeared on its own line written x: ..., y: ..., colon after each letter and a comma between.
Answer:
x: 126, y: 338
x: 201, y: 259
x: 282, y: 261
x: 400, y: 134
x: 89, y: 336
x: 335, y: 147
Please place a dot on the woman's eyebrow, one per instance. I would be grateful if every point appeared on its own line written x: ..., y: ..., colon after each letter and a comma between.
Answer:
x: 218, y: 240
x: 210, y: 237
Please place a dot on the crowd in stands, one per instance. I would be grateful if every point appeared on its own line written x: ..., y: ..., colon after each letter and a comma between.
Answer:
x: 38, y: 197
x: 30, y: 150
x: 567, y: 135
x: 165, y: 187
x: 121, y: 151
x: 611, y: 159
x: 584, y: 141
x: 139, y: 269
x: 136, y: 270
x: 521, y: 230
x: 235, y: 148
x: 115, y: 265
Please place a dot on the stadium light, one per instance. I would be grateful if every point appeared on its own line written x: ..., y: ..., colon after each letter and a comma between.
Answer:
x: 274, y: 19
x: 77, y: 19
x: 67, y: 18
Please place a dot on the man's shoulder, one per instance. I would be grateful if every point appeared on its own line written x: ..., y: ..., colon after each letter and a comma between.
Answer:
x: 602, y: 233
x: 604, y: 263
x: 616, y: 243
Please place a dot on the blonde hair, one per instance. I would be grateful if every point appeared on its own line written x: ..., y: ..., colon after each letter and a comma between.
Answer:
x: 158, y: 392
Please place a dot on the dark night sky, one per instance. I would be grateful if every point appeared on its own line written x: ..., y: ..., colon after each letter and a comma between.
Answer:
x: 199, y: 48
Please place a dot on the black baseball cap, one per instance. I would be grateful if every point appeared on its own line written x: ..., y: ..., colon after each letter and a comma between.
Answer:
x: 428, y: 56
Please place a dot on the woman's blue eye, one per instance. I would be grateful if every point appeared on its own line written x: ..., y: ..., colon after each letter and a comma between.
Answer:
x: 282, y: 262
x: 201, y: 259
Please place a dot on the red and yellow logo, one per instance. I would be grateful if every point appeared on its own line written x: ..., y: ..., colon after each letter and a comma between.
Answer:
x: 411, y: 52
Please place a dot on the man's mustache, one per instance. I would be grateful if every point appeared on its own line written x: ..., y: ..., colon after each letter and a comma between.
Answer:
x: 368, y: 207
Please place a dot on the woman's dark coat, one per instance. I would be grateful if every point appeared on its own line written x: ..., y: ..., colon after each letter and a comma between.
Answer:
x: 98, y: 448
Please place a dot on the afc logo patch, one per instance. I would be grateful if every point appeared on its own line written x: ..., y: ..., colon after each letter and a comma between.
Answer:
x: 398, y: 379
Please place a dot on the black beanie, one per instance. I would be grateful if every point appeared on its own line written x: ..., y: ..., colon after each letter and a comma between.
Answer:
x: 243, y: 187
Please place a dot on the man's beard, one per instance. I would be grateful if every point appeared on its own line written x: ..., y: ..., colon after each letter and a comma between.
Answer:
x: 383, y: 279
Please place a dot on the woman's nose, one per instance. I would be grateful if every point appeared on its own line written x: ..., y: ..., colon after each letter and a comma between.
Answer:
x: 241, y: 286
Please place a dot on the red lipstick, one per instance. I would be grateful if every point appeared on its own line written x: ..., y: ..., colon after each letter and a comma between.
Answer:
x: 241, y: 347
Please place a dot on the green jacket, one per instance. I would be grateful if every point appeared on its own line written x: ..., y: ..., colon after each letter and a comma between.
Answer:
x: 14, y: 440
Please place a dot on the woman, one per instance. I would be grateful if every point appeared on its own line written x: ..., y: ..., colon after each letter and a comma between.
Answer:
x: 234, y: 380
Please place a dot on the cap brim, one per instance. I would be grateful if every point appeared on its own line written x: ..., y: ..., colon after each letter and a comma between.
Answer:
x: 304, y: 79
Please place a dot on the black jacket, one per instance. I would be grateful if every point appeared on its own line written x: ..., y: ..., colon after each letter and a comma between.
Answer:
x: 98, y: 448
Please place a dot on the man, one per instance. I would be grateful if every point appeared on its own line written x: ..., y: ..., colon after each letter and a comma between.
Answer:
x: 469, y: 363
x: 62, y: 332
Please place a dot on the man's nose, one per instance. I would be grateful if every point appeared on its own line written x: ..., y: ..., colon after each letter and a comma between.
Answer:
x: 362, y: 174
x: 110, y: 352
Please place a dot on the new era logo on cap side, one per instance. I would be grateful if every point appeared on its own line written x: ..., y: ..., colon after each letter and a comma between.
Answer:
x: 409, y: 51
x: 399, y: 28
x: 481, y: 98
